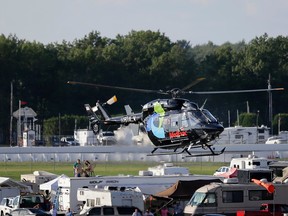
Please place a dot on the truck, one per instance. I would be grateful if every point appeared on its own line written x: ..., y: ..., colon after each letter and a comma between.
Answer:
x: 5, y: 206
x: 110, y: 196
x: 266, y: 210
x: 23, y: 201
x: 9, y: 192
x: 227, y: 198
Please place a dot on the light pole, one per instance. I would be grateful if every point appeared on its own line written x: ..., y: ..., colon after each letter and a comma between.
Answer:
x: 270, y: 105
x: 257, y: 117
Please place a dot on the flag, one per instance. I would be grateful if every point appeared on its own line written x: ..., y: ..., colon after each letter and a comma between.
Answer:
x: 23, y: 103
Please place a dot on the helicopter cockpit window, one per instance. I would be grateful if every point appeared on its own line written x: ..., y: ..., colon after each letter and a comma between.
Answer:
x: 200, y: 116
x: 209, y: 116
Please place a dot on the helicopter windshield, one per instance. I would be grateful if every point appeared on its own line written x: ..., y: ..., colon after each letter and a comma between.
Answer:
x: 199, y: 115
x: 191, y: 118
x: 209, y: 116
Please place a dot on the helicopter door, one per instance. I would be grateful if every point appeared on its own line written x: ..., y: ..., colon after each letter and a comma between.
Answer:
x: 178, y: 127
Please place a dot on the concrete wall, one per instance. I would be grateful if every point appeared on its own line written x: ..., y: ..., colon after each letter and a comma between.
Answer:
x: 134, y: 153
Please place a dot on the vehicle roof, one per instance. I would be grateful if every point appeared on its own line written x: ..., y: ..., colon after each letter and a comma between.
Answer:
x: 214, y: 186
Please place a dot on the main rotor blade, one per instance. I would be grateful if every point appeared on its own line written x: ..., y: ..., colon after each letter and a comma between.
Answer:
x: 237, y: 91
x: 117, y: 87
x: 195, y: 82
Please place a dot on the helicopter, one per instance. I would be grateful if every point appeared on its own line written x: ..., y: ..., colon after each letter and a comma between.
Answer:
x: 175, y: 124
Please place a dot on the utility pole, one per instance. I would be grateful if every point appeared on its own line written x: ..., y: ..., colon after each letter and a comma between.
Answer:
x: 19, y: 130
x: 11, y: 116
x: 270, y: 105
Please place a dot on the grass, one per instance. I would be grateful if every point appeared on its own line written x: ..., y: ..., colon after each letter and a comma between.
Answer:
x: 15, y: 169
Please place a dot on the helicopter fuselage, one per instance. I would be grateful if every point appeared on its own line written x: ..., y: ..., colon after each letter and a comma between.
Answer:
x: 179, y: 122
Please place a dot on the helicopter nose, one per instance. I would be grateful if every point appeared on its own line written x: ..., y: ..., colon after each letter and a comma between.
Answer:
x: 215, y: 129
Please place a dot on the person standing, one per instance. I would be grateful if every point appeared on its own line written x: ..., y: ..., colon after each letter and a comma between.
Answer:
x: 69, y: 213
x: 89, y: 169
x: 148, y: 213
x: 78, y: 169
x: 136, y: 213
x: 164, y: 211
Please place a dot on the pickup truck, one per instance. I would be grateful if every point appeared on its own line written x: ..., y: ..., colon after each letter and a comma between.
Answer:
x: 266, y: 210
x: 23, y: 201
x: 5, y: 206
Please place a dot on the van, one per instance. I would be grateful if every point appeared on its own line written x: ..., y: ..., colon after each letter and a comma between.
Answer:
x: 111, y: 210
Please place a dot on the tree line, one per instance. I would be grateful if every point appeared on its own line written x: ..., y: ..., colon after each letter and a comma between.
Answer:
x: 141, y: 59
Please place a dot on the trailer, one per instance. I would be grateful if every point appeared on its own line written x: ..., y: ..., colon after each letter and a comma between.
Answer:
x: 243, y: 135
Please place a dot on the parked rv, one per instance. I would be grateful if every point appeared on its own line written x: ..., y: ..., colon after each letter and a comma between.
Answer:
x: 227, y: 199
x: 243, y: 135
x: 66, y: 194
x: 250, y: 162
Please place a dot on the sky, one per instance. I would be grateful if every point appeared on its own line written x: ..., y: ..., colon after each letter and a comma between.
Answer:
x: 196, y: 21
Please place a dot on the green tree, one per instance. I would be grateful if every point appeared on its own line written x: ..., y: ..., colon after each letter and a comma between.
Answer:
x: 280, y: 122
x: 248, y: 119
x: 64, y: 125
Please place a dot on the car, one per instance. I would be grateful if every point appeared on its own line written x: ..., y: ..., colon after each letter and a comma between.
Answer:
x: 69, y: 141
x: 28, y: 212
x: 221, y: 170
x: 55, y: 141
x: 40, y: 143
x: 111, y: 210
x: 276, y: 140
x: 106, y: 138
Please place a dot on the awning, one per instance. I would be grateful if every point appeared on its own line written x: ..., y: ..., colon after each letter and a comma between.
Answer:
x: 185, y: 189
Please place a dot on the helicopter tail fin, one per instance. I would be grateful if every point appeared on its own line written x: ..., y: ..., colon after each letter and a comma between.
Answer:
x: 128, y: 110
x: 93, y: 118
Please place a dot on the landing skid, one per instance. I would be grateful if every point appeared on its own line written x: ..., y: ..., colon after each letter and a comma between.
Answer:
x: 213, y: 153
x: 185, y: 150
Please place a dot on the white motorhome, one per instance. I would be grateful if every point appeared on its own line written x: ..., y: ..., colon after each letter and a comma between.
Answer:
x: 250, y: 162
x: 107, y: 197
x: 243, y: 135
x: 223, y: 198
